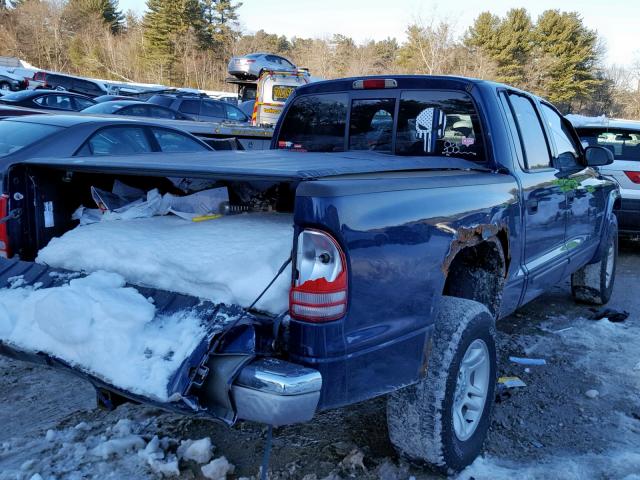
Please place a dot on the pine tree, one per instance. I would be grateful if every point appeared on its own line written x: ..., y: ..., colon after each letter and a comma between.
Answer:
x: 78, y: 11
x: 220, y: 21
x: 168, y: 23
x: 571, y: 52
x: 513, y: 47
x: 507, y: 42
x: 482, y: 35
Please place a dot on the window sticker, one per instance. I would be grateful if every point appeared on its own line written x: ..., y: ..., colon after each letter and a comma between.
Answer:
x: 48, y: 215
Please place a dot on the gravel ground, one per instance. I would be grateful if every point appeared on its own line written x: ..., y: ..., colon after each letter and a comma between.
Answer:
x: 548, y: 429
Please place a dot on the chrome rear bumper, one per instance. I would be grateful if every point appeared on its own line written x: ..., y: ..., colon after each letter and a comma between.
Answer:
x: 276, y: 392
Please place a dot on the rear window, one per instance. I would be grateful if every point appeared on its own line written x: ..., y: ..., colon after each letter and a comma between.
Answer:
x: 429, y: 123
x: 103, y: 108
x: 439, y: 123
x: 371, y: 125
x: 624, y: 144
x: 15, y: 135
x: 315, y: 123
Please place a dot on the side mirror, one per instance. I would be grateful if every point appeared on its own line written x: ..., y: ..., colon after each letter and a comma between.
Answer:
x: 598, y: 156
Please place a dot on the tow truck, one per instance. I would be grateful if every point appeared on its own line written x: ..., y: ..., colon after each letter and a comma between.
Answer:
x: 270, y: 93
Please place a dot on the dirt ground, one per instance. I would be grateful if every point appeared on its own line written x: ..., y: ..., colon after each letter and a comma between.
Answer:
x: 548, y: 429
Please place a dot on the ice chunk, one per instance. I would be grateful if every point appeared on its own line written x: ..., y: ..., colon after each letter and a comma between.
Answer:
x: 118, y: 446
x: 199, y: 451
x: 217, y: 469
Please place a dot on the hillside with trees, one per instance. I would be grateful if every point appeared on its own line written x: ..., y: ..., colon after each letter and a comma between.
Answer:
x: 189, y: 42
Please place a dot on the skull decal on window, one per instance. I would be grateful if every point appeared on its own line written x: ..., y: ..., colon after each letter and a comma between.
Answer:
x: 425, y: 126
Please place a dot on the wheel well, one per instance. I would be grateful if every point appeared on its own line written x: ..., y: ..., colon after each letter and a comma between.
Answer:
x: 617, y: 204
x: 478, y: 273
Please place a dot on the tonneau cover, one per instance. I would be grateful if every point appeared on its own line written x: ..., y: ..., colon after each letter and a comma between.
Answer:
x: 271, y: 164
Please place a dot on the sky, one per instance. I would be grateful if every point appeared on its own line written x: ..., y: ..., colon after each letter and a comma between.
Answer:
x: 617, y: 21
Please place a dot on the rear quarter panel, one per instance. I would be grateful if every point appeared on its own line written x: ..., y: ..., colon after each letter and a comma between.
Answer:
x: 396, y: 231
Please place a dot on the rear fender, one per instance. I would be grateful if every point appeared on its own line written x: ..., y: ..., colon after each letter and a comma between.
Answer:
x: 609, y: 222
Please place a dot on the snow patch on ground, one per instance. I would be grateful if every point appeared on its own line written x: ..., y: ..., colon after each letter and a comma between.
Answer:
x: 93, y: 320
x: 128, y: 449
x: 605, y: 344
x: 227, y: 260
x: 613, y: 464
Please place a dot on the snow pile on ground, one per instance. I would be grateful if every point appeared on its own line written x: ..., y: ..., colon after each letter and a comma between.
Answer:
x: 230, y: 259
x: 620, y: 464
x: 91, y: 321
x: 607, y: 345
x: 128, y: 449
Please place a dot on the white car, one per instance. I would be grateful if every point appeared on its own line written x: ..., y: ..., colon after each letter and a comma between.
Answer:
x: 252, y: 65
x: 622, y: 137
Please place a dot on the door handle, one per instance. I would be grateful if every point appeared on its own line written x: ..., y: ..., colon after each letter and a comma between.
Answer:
x: 532, y: 205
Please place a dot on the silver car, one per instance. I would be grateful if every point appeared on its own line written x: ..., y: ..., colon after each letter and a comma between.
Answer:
x: 622, y: 137
x: 252, y: 65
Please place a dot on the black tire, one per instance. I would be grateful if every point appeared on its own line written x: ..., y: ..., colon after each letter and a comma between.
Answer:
x: 420, y: 417
x: 591, y: 284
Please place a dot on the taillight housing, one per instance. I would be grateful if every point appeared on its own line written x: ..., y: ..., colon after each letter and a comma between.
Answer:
x: 4, y: 235
x: 319, y: 292
x: 633, y: 176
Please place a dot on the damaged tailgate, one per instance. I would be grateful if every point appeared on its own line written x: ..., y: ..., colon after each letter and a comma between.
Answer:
x: 171, y: 350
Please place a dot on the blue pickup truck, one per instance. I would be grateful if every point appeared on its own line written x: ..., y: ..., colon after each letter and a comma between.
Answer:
x: 422, y: 209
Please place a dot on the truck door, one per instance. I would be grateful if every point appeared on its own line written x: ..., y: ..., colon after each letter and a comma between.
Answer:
x: 543, y: 197
x: 582, y: 186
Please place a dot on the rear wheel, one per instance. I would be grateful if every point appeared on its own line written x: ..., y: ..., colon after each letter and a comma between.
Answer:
x: 594, y: 283
x: 443, y: 420
x: 5, y: 86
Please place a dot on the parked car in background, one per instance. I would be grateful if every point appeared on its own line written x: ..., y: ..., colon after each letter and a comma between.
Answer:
x: 12, y: 83
x: 22, y: 73
x: 7, y: 111
x: 53, y: 81
x: 201, y: 108
x: 622, y: 138
x: 48, y: 100
x: 128, y: 94
x: 252, y: 65
x: 112, y: 98
x: 61, y: 136
x: 135, y: 108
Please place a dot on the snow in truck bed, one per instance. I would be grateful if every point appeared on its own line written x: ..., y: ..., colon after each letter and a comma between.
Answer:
x: 103, y: 325
x: 227, y: 260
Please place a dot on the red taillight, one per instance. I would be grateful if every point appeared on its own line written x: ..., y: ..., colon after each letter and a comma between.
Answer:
x: 4, y: 236
x: 319, y: 293
x: 26, y: 82
x: 374, y: 83
x: 633, y: 176
x: 249, y: 61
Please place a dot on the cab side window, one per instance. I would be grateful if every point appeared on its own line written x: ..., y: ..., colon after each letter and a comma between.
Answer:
x: 532, y: 137
x: 566, y: 149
